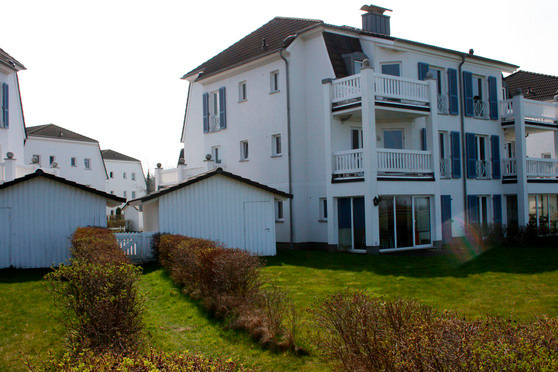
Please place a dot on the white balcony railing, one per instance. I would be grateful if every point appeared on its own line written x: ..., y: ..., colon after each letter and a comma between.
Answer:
x: 2, y: 178
x: 482, y: 168
x: 480, y: 109
x: 542, y: 168
x: 534, y: 110
x: 169, y: 176
x: 509, y: 167
x: 443, y: 105
x: 404, y: 161
x: 191, y: 172
x: 386, y: 87
x: 348, y: 163
x: 445, y: 168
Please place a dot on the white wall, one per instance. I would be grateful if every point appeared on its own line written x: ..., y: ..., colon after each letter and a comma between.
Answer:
x: 117, y: 184
x: 41, y: 215
x: 63, y: 151
x: 12, y: 138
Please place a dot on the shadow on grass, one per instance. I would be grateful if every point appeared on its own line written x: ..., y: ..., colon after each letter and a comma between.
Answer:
x: 446, y: 263
x: 22, y: 275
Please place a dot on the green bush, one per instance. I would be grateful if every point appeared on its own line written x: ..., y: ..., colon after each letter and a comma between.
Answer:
x: 364, y: 333
x: 152, y: 360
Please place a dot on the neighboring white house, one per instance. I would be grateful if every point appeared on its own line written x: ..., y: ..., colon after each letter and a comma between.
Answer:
x: 216, y: 205
x: 68, y: 154
x: 125, y: 176
x: 386, y: 144
x: 12, y: 125
x: 39, y: 212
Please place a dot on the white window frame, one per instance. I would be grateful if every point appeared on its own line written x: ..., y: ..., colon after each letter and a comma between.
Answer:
x: 242, y: 91
x: 214, y: 108
x: 87, y: 163
x: 359, y: 136
x: 402, y: 130
x: 51, y: 159
x: 125, y: 194
x: 216, y: 154
x: 279, y: 211
x: 133, y: 176
x: 124, y: 175
x: 274, y: 85
x: 392, y: 63
x: 322, y: 207
x: 244, y: 150
x: 133, y: 194
x: 73, y: 161
x: 276, y: 145
x: 445, y: 153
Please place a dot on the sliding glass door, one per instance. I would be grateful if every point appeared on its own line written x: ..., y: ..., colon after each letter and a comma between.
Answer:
x: 350, y: 222
x: 404, y: 222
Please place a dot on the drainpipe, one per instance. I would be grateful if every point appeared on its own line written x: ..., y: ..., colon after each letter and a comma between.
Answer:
x: 463, y: 142
x: 289, y: 155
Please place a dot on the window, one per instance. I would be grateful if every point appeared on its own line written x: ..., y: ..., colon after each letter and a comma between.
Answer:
x: 133, y: 176
x: 445, y: 155
x: 243, y: 150
x: 111, y: 174
x: 73, y: 162
x: 216, y: 154
x: 133, y: 194
x: 125, y: 195
x: 5, y: 103
x: 276, y: 145
x: 356, y: 138
x: 279, y: 211
x: 480, y: 105
x: 37, y: 157
x: 274, y: 81
x: 214, y: 110
x: 51, y: 159
x: 546, y: 155
x: 242, y: 93
x: 351, y: 224
x: 394, y: 139
x: 323, y: 209
x: 404, y: 221
x: 112, y: 193
x: 87, y: 163
x: 481, y: 146
x: 391, y: 68
x: 124, y: 175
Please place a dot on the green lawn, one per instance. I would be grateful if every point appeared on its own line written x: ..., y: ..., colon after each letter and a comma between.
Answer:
x: 521, y: 283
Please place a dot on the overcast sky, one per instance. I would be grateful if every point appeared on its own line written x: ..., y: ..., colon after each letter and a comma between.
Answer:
x: 111, y: 70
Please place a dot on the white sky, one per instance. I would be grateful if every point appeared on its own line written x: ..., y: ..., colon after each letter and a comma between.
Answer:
x: 111, y: 70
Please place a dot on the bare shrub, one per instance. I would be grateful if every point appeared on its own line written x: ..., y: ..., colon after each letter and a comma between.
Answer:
x: 96, y: 244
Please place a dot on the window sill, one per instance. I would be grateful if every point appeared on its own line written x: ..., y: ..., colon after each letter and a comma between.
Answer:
x: 243, y: 160
x: 242, y: 100
x: 322, y: 220
x: 277, y: 156
x: 279, y: 221
x: 274, y: 91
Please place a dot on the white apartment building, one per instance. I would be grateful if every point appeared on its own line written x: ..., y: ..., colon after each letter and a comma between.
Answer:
x: 67, y: 154
x: 12, y: 124
x: 125, y: 176
x: 386, y: 144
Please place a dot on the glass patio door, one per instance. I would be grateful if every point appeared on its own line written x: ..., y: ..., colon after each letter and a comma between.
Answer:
x: 404, y: 222
x: 351, y: 224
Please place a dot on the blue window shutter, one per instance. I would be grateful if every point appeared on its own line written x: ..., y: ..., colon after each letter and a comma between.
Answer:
x: 423, y: 146
x: 205, y: 99
x: 493, y: 97
x: 452, y: 92
x: 5, y: 105
x: 455, y: 155
x: 473, y: 202
x: 422, y: 70
x: 222, y: 108
x: 468, y: 92
x: 471, y: 155
x: 497, y: 205
x: 495, y: 156
x: 446, y: 217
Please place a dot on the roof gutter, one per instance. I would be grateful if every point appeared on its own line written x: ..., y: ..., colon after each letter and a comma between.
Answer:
x: 289, y: 152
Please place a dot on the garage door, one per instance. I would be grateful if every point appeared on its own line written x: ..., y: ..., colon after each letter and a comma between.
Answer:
x: 5, y: 237
x: 259, y: 228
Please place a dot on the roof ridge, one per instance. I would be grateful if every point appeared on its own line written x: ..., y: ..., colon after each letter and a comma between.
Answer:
x: 533, y: 73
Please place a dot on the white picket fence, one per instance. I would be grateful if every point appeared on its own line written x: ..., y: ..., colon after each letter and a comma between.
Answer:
x: 136, y: 246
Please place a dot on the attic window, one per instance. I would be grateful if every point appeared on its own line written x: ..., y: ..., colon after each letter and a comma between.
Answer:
x: 264, y: 44
x: 353, y: 62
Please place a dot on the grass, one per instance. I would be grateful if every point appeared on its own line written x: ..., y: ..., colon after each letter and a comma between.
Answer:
x: 519, y: 283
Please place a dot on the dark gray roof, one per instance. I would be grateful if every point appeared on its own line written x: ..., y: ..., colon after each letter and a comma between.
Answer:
x: 10, y: 61
x: 114, y: 155
x: 41, y: 173
x: 214, y: 172
x: 54, y: 131
x: 535, y: 86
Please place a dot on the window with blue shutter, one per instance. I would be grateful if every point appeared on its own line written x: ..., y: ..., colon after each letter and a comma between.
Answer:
x: 473, y: 209
x: 497, y: 205
x: 5, y: 105
x: 495, y: 145
x: 493, y: 97
x: 452, y: 92
x: 422, y: 70
x: 471, y: 155
x: 468, y: 93
x: 455, y: 155
x: 446, y: 217
x: 423, y: 146
x: 222, y: 108
x: 205, y: 99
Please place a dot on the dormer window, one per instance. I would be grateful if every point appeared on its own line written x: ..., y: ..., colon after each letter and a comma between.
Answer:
x: 353, y: 62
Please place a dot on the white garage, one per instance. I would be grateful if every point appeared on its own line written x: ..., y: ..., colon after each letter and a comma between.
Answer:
x: 39, y: 212
x: 216, y: 205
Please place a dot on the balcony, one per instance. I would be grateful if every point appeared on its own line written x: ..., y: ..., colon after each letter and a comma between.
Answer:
x: 536, y: 168
x: 480, y: 109
x: 443, y: 104
x: 348, y: 165
x: 169, y: 177
x: 387, y: 89
x: 482, y: 169
x: 20, y: 171
x: 445, y: 168
x: 534, y: 111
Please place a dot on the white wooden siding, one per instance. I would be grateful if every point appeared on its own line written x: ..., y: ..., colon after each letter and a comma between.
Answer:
x: 213, y: 209
x: 43, y: 214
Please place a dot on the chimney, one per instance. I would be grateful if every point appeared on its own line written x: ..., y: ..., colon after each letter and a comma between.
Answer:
x: 374, y: 20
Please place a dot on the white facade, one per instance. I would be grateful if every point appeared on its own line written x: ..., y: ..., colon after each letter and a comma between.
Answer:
x: 398, y: 162
x: 39, y: 213
x: 217, y: 207
x: 78, y: 161
x: 125, y: 179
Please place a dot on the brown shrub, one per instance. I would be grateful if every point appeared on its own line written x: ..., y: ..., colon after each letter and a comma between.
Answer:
x: 96, y: 244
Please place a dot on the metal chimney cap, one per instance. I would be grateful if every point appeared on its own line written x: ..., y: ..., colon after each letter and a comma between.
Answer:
x: 375, y: 9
